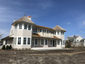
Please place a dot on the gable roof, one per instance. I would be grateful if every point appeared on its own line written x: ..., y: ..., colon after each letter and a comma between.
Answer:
x: 23, y: 19
x: 59, y: 28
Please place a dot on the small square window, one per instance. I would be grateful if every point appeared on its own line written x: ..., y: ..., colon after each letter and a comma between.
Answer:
x: 24, y: 41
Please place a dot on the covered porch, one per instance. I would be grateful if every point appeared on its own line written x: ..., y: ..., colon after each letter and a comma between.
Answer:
x: 7, y: 40
x: 46, y: 42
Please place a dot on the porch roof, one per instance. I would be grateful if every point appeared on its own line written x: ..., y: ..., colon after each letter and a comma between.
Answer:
x: 38, y: 36
x: 7, y: 38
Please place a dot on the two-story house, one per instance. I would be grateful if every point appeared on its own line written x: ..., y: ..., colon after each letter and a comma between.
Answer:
x: 25, y: 34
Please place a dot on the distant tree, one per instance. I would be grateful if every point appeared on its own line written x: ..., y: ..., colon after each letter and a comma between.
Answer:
x: 68, y: 44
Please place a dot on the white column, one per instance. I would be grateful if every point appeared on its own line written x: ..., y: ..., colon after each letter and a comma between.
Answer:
x: 22, y: 26
x: 4, y: 42
x: 22, y: 40
x: 44, y: 42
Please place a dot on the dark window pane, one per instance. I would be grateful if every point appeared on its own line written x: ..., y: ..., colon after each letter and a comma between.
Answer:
x: 25, y: 26
x: 35, y: 41
x: 29, y: 27
x: 19, y: 40
x: 24, y: 41
x: 28, y: 40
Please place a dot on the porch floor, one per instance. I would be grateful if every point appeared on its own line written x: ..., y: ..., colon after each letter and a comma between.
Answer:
x: 50, y: 48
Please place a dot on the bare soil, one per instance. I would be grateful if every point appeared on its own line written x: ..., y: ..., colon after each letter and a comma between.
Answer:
x: 67, y: 56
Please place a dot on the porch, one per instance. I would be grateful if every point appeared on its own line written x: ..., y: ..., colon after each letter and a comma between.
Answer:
x: 7, y: 40
x: 46, y: 43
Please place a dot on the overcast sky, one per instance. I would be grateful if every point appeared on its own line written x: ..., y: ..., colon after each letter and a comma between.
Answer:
x: 70, y: 14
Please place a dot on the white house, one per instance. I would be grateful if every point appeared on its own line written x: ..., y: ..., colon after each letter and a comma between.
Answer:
x: 25, y: 34
x: 76, y: 40
x: 83, y: 42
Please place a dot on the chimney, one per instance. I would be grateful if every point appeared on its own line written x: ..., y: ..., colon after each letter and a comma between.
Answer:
x: 29, y: 17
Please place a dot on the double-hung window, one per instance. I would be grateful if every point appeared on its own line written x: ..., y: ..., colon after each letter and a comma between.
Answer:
x: 36, y: 42
x: 25, y: 26
x: 29, y: 27
x: 19, y: 40
x: 24, y: 41
x: 28, y: 40
x: 20, y: 26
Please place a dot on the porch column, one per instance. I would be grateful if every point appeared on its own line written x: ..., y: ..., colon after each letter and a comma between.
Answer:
x: 4, y: 42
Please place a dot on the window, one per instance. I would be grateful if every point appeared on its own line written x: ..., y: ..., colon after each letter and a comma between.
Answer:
x: 58, y: 42
x: 25, y: 26
x: 24, y: 41
x: 28, y: 40
x: 20, y: 26
x: 40, y: 30
x: 19, y: 40
x: 62, y: 33
x: 35, y: 29
x: 15, y: 26
x: 51, y: 42
x: 29, y: 27
x: 46, y: 42
x: 36, y: 42
x: 42, y: 42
